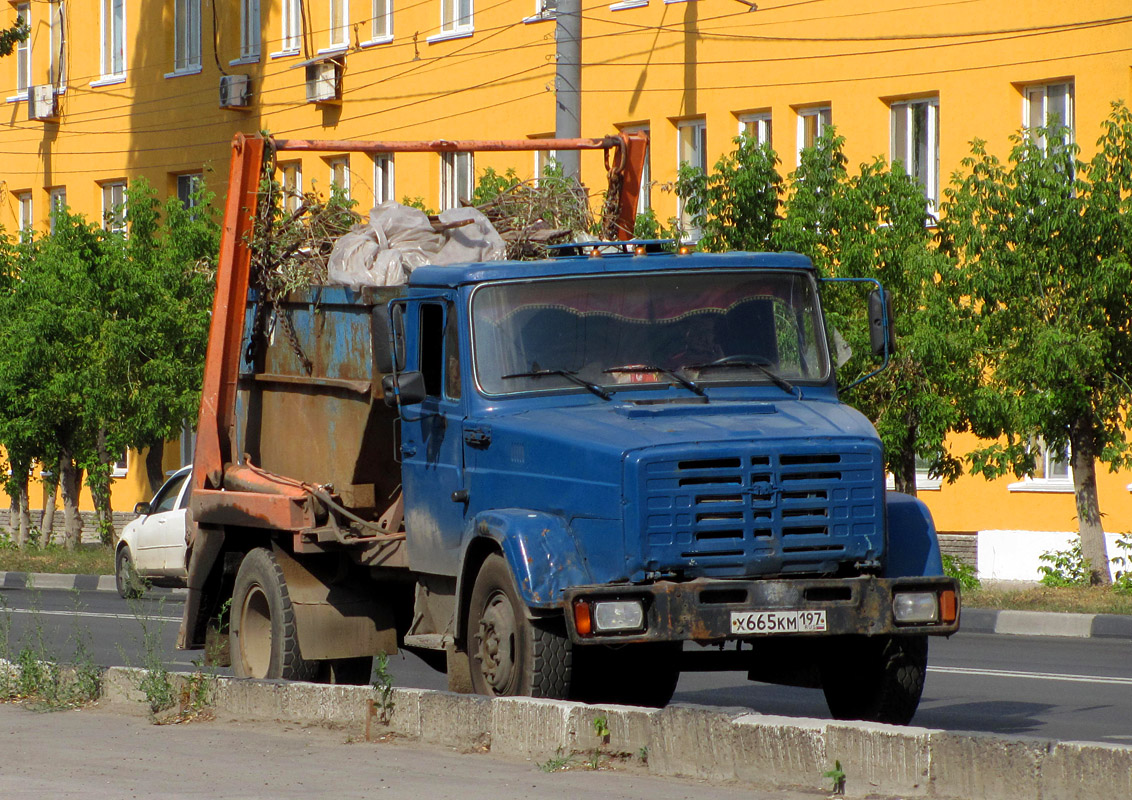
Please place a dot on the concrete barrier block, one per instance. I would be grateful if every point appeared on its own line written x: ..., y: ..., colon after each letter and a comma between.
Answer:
x: 693, y: 741
x: 463, y: 721
x: 880, y: 758
x: 780, y: 751
x: 404, y: 718
x: 120, y: 688
x: 629, y: 728
x: 1075, y: 770
x: 1037, y: 623
x: 985, y: 767
x: 533, y: 727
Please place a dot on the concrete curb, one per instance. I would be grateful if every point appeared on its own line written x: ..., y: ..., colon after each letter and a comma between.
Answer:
x: 765, y: 752
x: 82, y: 583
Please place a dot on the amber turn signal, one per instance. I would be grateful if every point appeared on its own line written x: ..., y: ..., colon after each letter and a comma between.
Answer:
x: 582, y: 619
x: 948, y: 606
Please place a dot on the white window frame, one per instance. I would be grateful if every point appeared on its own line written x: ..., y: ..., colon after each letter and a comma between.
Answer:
x: 624, y: 5
x: 644, y: 193
x: 757, y: 125
x: 23, y: 55
x: 187, y: 186
x: 290, y: 29
x: 56, y: 198
x: 821, y: 117
x: 25, y: 211
x: 906, y: 147
x: 186, y: 37
x: 121, y: 467
x: 457, y: 174
x: 292, y: 181
x: 1036, y: 108
x: 112, y: 42
x: 1058, y: 483
x: 251, y: 33
x: 454, y: 22
x: 384, y: 186
x: 381, y: 23
x: 691, y: 148
x: 340, y: 173
x: 925, y: 482
x: 114, y: 206
x: 339, y: 28
x: 57, y: 63
x: 544, y: 10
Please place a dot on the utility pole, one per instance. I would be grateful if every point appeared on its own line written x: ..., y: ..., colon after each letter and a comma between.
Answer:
x: 568, y: 82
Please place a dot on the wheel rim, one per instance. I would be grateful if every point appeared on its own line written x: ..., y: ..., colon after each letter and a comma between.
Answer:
x: 495, y: 643
x: 255, y: 633
x: 123, y: 572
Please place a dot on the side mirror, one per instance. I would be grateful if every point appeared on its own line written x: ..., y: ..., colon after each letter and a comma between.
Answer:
x: 406, y: 388
x: 142, y: 509
x: 882, y: 334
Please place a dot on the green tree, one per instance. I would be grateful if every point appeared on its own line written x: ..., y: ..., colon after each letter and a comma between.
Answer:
x: 734, y: 206
x: 1044, y: 240
x: 10, y: 37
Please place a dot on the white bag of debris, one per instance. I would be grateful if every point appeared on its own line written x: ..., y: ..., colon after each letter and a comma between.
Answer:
x: 397, y: 239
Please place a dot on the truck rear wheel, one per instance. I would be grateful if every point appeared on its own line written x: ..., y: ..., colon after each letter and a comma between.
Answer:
x: 879, y: 679
x: 263, y: 639
x: 509, y: 653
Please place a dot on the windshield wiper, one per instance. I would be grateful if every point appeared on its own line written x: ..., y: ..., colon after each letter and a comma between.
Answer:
x: 775, y: 378
x: 569, y: 374
x: 691, y: 386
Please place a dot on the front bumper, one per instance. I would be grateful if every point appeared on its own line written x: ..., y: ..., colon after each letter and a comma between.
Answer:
x: 701, y: 610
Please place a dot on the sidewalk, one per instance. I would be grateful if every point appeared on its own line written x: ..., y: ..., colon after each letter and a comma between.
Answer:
x: 974, y: 620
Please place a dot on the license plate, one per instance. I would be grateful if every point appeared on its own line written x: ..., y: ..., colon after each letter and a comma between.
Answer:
x: 753, y: 623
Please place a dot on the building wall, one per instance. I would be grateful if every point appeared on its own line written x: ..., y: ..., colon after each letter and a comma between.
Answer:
x: 650, y: 63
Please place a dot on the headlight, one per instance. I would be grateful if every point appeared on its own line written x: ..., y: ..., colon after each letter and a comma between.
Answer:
x: 915, y: 607
x: 618, y: 615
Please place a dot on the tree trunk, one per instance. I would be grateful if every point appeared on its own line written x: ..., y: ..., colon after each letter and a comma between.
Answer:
x: 98, y: 480
x: 154, y: 459
x: 1084, y: 465
x: 904, y: 466
x: 50, y: 490
x: 70, y: 480
x: 25, y: 516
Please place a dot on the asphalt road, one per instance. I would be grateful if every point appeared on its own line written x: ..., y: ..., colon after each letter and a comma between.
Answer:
x: 1049, y: 687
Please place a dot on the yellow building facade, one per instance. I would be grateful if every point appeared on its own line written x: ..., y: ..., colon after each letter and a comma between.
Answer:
x: 107, y: 91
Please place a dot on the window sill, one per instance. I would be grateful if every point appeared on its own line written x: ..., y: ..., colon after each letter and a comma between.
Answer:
x: 285, y: 53
x: 627, y: 4
x: 108, y: 80
x: 336, y: 50
x: 542, y: 16
x: 444, y: 37
x: 244, y: 61
x: 17, y: 98
x: 180, y: 73
x: 923, y: 483
x: 1041, y: 485
x: 377, y: 41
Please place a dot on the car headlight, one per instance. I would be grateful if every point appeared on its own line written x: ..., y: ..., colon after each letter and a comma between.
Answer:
x: 618, y: 615
x: 915, y: 607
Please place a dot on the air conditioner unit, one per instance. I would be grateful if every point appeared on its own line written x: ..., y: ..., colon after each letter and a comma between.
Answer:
x: 43, y: 103
x: 324, y: 82
x: 235, y: 91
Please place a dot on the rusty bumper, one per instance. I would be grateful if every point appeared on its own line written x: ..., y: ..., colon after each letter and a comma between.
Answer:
x: 702, y: 610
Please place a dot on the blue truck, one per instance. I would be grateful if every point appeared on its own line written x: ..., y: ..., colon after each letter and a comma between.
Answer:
x: 570, y: 478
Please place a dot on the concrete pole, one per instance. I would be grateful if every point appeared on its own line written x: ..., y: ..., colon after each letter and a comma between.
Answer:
x: 568, y: 82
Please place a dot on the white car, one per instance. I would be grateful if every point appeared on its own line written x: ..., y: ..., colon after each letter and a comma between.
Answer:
x: 152, y: 548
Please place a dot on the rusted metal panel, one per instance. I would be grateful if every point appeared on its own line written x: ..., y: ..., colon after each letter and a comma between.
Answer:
x: 252, y: 509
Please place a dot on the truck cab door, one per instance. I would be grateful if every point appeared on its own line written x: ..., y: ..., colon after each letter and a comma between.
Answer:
x: 432, y: 469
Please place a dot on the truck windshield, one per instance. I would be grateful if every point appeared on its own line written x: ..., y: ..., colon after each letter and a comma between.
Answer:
x: 700, y: 328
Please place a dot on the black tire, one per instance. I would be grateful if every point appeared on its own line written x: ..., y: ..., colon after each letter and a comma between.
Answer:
x: 879, y: 679
x: 348, y: 671
x: 510, y: 654
x: 262, y: 635
x: 126, y: 579
x: 632, y: 675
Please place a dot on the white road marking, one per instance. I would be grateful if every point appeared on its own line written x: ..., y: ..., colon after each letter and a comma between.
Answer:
x: 96, y: 614
x: 1038, y: 676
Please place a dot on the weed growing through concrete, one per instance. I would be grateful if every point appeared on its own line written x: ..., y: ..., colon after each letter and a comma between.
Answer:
x: 559, y: 761
x: 383, y: 688
x: 836, y: 778
x: 155, y: 681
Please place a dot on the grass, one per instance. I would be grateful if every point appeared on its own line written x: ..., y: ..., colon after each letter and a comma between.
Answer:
x: 87, y: 559
x: 1075, y: 599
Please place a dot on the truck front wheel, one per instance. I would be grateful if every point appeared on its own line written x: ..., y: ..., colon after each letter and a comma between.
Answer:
x: 509, y: 653
x: 879, y: 679
x: 262, y: 635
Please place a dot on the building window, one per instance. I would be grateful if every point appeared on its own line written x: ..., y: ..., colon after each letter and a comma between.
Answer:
x: 23, y: 202
x: 1052, y: 470
x: 692, y: 142
x: 757, y: 126
x: 382, y: 30
x: 186, y: 35
x: 340, y: 175
x: 292, y: 185
x: 812, y: 122
x: 457, y: 175
x: 644, y: 195
x: 292, y: 21
x: 915, y: 144
x: 23, y: 52
x: 121, y: 467
x: 544, y: 9
x: 250, y: 23
x: 57, y: 65
x: 58, y: 203
x: 113, y: 39
x: 114, y: 206
x: 1045, y: 105
x: 382, y: 178
x: 456, y: 16
x: 339, y: 23
x: 188, y: 189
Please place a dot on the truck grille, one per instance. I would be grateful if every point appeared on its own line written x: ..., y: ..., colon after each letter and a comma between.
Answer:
x: 755, y: 513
